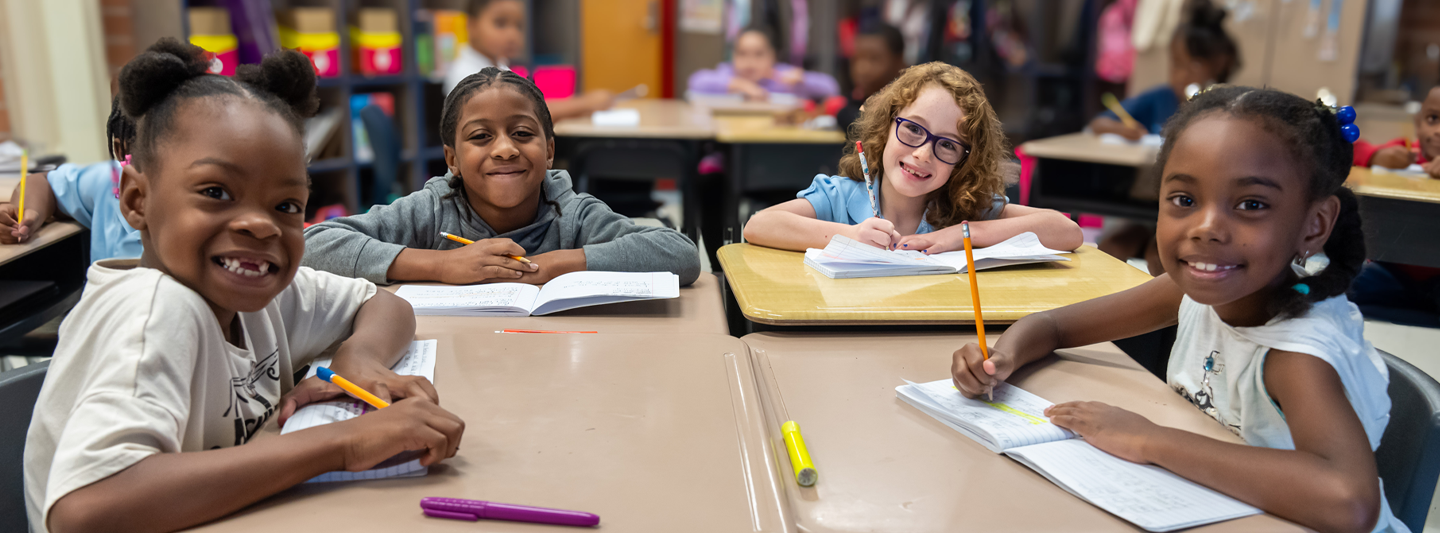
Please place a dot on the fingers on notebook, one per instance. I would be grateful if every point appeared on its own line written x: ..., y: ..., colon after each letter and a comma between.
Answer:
x: 968, y: 369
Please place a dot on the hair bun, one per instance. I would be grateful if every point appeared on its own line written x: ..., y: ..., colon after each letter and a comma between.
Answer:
x: 150, y: 78
x: 289, y: 76
x: 1204, y: 14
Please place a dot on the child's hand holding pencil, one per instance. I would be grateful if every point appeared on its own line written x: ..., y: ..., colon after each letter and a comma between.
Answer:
x: 485, y: 260
x: 975, y: 375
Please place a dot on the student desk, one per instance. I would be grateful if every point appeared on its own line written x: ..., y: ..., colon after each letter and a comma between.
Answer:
x: 1079, y: 174
x: 886, y: 466
x: 41, y: 279
x: 654, y: 433
x: 775, y: 287
x: 766, y: 158
x: 698, y: 310
x: 666, y: 144
x: 1399, y: 215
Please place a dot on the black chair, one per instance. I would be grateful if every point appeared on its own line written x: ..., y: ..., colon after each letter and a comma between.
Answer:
x: 385, y: 143
x: 1409, y: 453
x: 18, y: 390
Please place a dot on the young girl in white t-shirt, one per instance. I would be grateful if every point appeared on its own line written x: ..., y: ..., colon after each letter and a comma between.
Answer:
x: 170, y: 363
x: 1252, y: 184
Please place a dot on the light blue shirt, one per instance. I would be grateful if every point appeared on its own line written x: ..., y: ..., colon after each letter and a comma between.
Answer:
x: 87, y: 194
x: 841, y: 199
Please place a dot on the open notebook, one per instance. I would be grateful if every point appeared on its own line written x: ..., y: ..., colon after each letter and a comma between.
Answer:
x: 565, y: 292
x: 847, y: 258
x: 1412, y: 171
x: 1014, y: 424
x: 419, y: 360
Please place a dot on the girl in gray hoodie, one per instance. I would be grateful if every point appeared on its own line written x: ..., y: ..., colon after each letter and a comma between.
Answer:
x: 500, y: 193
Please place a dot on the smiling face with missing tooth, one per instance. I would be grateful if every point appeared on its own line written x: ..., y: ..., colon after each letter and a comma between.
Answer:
x: 223, y: 210
x: 915, y: 172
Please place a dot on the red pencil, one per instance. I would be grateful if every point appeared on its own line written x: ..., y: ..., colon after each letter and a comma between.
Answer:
x: 541, y: 331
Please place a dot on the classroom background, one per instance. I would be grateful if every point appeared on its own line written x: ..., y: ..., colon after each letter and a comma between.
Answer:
x: 665, y: 155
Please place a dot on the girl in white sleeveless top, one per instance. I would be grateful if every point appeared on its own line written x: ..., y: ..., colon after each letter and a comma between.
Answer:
x: 1251, y: 185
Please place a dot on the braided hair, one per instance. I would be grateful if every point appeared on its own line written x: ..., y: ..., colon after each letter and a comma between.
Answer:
x: 487, y: 78
x: 119, y: 128
x: 1311, y: 133
x: 155, y: 85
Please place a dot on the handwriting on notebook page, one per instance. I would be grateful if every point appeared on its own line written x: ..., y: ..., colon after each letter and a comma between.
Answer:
x: 499, y: 295
x: 1015, y: 418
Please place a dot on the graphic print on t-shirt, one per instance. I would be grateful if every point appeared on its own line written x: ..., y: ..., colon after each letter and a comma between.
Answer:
x: 249, y: 408
x: 1204, y: 398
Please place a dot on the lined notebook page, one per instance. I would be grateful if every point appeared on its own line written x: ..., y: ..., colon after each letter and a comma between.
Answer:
x: 419, y: 360
x: 1015, y: 418
x: 586, y: 288
x: 492, y: 299
x: 1146, y: 495
x: 1025, y: 246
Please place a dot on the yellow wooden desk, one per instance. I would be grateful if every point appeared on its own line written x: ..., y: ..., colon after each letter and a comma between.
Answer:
x: 654, y: 433
x: 1077, y: 173
x: 886, y: 466
x: 664, y: 119
x: 775, y: 287
x: 698, y: 310
x: 763, y: 130
x: 1399, y: 215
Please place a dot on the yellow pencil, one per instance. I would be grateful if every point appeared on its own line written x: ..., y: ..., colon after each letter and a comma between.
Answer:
x: 468, y: 242
x: 975, y: 296
x: 24, y: 173
x: 1114, y: 105
x: 805, y: 473
x: 354, y: 390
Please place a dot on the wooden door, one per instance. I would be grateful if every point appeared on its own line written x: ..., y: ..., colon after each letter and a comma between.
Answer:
x: 620, y: 44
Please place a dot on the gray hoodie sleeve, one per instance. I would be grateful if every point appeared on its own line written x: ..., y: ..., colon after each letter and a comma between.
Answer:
x: 364, y: 246
x: 612, y: 242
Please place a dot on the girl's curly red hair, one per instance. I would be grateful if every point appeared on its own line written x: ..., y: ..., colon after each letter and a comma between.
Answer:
x: 975, y: 182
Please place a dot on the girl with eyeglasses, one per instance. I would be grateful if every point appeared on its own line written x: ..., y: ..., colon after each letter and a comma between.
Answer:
x: 935, y: 151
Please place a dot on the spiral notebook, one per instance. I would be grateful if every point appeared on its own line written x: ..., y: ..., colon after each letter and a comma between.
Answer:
x: 419, y: 360
x: 1015, y: 424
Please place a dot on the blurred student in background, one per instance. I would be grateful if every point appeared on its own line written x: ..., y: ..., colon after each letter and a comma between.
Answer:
x: 754, y: 73
x: 497, y: 35
x: 879, y: 58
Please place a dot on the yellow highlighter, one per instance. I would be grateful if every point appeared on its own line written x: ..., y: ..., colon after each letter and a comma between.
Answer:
x: 354, y: 390
x: 805, y: 473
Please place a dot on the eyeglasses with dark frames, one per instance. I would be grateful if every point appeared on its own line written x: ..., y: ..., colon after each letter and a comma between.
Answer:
x: 947, y: 150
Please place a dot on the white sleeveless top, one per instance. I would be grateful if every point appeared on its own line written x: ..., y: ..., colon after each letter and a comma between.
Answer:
x: 1221, y: 369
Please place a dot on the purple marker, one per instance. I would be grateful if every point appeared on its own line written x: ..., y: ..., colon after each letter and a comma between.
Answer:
x: 472, y: 510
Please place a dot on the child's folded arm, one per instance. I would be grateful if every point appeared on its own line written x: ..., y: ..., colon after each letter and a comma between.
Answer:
x: 793, y: 225
x: 1056, y: 231
x: 365, y: 245
x: 613, y: 243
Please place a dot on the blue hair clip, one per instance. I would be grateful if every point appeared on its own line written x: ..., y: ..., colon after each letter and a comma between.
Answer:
x: 1301, y: 288
x: 1348, y: 129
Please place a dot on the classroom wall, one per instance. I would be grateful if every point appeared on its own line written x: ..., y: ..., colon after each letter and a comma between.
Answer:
x: 56, y: 47
x: 1275, y: 52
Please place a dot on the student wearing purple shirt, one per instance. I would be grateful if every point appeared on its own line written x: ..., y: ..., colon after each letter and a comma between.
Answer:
x: 754, y: 73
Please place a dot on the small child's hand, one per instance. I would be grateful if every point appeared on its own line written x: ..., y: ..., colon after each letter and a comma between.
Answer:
x: 1433, y: 168
x: 876, y: 232
x: 1119, y: 432
x: 598, y: 99
x: 929, y: 243
x: 1393, y: 157
x: 749, y: 89
x: 409, y: 424
x: 790, y: 77
x: 12, y: 232
x: 974, y: 376
x: 486, y: 260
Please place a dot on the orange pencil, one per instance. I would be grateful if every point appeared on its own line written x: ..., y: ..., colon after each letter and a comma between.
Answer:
x: 975, y: 295
x: 467, y: 242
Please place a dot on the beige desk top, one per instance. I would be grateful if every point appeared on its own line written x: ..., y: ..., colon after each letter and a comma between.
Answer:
x: 1393, y: 186
x: 699, y: 309
x: 8, y: 182
x: 1088, y: 148
x: 762, y: 129
x: 885, y: 466
x: 49, y: 234
x: 775, y: 287
x: 654, y: 433
x: 674, y: 119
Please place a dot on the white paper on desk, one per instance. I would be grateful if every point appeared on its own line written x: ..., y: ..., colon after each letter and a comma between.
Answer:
x: 1014, y: 418
x: 616, y: 117
x: 495, y: 299
x: 1146, y: 495
x: 419, y: 360
x: 1412, y: 171
x: 845, y: 258
x: 1149, y: 140
x: 567, y: 291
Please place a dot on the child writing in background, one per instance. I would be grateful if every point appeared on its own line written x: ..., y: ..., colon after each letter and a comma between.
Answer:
x: 497, y: 34
x: 1252, y: 182
x: 88, y: 194
x: 1403, y: 152
x: 140, y: 422
x: 879, y: 58
x: 1201, y: 53
x: 754, y: 73
x: 935, y: 150
x: 499, y: 145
